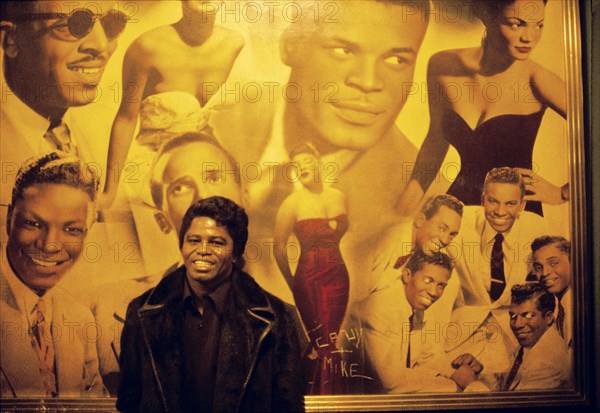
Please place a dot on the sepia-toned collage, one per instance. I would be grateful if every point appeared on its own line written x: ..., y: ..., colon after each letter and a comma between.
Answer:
x: 250, y: 206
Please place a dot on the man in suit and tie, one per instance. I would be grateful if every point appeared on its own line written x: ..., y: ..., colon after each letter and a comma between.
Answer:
x: 552, y: 266
x: 433, y: 229
x: 539, y: 362
x: 47, y: 347
x: 54, y: 56
x: 492, y: 254
x: 400, y: 344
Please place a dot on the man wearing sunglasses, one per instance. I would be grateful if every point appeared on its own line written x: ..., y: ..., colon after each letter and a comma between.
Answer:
x: 54, y: 55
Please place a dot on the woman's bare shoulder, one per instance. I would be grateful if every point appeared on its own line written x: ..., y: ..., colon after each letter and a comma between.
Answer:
x: 454, y: 61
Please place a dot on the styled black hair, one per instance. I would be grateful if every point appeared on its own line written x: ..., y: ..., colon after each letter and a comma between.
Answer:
x: 56, y: 168
x: 434, y: 203
x: 504, y: 175
x: 561, y: 243
x: 418, y: 259
x: 544, y: 301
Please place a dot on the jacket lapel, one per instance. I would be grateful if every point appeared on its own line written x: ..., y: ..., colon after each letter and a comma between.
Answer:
x: 161, y: 320
x: 247, y: 321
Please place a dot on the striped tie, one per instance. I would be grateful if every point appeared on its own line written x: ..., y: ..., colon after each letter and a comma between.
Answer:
x: 60, y: 137
x: 42, y: 344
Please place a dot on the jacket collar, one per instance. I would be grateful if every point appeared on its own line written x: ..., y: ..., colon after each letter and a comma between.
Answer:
x: 247, y: 320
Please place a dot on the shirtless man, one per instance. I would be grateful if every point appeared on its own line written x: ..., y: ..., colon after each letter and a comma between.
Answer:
x: 184, y: 57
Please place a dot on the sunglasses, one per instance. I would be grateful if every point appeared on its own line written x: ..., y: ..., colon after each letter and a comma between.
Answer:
x: 80, y: 22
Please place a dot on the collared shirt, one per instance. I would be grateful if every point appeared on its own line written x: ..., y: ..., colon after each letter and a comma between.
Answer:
x: 201, y: 336
x: 31, y: 125
x: 25, y: 297
x: 472, y: 249
x: 509, y: 244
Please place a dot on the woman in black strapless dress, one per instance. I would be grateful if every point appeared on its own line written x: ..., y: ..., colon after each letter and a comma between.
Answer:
x: 495, y: 123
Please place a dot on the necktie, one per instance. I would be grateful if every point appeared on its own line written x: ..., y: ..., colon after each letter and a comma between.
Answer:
x: 42, y: 344
x: 560, y: 320
x: 513, y: 370
x: 60, y: 137
x: 410, y: 329
x: 497, y: 269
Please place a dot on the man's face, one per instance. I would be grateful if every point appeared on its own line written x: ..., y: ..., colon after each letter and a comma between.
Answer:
x: 552, y: 268
x: 502, y: 204
x: 46, y: 231
x: 63, y: 69
x: 353, y: 72
x: 196, y: 171
x: 528, y: 324
x: 437, y: 232
x: 425, y: 286
x: 207, y: 251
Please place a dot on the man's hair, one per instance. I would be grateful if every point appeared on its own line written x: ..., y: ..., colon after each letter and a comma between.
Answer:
x: 485, y: 10
x: 305, y: 148
x: 544, y: 301
x: 504, y: 175
x: 158, y: 167
x: 303, y: 25
x: 227, y: 214
x: 56, y: 168
x: 11, y: 10
x: 418, y: 259
x: 434, y: 203
x: 562, y: 244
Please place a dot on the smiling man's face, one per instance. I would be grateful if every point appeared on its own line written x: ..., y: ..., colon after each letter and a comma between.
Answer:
x: 529, y: 324
x: 207, y: 251
x: 62, y: 70
x: 552, y: 268
x: 46, y: 231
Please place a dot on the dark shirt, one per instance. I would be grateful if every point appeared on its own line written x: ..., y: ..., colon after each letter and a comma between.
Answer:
x: 201, y: 334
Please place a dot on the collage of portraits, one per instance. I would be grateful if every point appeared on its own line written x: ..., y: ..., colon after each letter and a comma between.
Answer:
x: 228, y: 205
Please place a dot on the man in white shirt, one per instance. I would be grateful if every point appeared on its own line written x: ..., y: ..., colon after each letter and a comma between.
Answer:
x: 399, y: 346
x: 552, y: 266
x: 540, y: 362
x: 48, y: 338
x: 492, y: 254
x: 54, y: 56
x: 432, y: 229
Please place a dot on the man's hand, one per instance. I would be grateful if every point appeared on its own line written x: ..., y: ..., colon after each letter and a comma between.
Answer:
x: 463, y: 376
x: 468, y: 360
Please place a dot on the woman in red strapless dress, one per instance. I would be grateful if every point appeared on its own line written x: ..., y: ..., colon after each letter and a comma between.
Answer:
x: 316, y: 214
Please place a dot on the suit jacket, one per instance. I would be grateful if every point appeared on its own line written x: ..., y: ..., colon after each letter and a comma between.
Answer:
x: 109, y: 306
x: 73, y: 336
x: 258, y: 365
x: 471, y: 250
x: 545, y: 366
x: 382, y: 321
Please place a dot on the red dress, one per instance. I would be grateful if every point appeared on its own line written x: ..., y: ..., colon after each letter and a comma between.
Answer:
x: 320, y: 291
